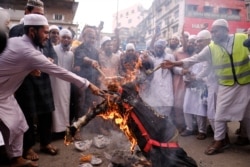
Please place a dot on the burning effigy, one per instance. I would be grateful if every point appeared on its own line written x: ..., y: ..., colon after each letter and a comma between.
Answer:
x: 155, y: 134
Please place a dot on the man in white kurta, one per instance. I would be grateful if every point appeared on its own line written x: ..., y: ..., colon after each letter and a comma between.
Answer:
x: 193, y: 106
x: 160, y: 91
x: 16, y: 62
x: 61, y: 88
x: 109, y: 61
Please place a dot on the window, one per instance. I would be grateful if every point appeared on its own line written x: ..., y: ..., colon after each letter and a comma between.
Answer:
x: 121, y: 15
x: 192, y: 8
x: 235, y: 11
x: 208, y: 9
x: 175, y: 28
x: 248, y: 12
x: 58, y: 17
x: 133, y: 11
x: 149, y: 32
x: 176, y: 14
x: 223, y: 10
x: 167, y: 20
x: 129, y: 20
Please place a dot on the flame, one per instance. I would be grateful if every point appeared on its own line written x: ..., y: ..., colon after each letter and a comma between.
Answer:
x: 131, y: 73
x: 113, y: 109
x: 68, y: 139
x: 120, y: 120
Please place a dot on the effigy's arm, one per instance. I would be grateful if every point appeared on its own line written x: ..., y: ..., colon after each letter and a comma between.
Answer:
x: 84, y: 120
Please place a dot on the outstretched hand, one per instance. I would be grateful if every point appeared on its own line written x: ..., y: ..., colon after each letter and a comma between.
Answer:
x: 167, y: 64
x: 95, y: 90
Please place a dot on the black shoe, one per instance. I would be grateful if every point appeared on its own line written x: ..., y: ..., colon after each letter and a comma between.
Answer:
x: 187, y: 133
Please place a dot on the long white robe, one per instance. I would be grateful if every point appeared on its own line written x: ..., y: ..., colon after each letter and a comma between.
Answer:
x: 193, y: 103
x: 16, y: 62
x: 61, y: 91
x: 160, y: 90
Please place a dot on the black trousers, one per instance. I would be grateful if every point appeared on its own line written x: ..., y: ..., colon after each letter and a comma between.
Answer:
x: 44, y: 125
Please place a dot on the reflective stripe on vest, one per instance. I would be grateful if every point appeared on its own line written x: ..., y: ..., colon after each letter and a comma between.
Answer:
x: 232, y: 68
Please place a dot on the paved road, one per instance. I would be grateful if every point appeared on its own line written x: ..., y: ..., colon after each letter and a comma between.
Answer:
x: 69, y: 157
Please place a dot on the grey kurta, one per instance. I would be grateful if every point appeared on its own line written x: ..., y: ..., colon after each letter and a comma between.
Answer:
x: 16, y: 62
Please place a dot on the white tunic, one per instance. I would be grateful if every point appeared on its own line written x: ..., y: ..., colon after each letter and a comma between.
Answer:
x: 16, y: 62
x: 192, y: 101
x: 160, y: 90
x: 61, y: 91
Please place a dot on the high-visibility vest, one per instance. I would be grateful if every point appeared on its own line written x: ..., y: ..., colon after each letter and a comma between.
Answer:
x: 231, y: 68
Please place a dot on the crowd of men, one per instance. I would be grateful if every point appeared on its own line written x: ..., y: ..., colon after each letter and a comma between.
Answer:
x: 195, y: 80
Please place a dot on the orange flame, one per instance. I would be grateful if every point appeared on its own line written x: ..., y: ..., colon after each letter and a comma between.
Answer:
x: 113, y: 109
x: 120, y: 120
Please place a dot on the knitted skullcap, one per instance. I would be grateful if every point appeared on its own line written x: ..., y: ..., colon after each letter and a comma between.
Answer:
x: 160, y: 42
x: 54, y: 27
x: 105, y: 39
x: 130, y: 46
x: 35, y: 20
x: 65, y: 32
x: 35, y: 3
x: 204, y: 34
x: 220, y: 22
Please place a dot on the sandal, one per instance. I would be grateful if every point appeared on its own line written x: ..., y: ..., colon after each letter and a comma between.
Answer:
x: 201, y: 136
x: 49, y: 149
x: 31, y: 155
x: 216, y: 147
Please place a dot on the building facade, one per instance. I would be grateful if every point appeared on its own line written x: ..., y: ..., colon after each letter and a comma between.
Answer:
x: 200, y: 14
x: 173, y: 16
x: 57, y: 12
x: 127, y: 21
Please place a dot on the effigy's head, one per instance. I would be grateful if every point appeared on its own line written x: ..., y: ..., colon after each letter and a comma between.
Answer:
x: 129, y: 89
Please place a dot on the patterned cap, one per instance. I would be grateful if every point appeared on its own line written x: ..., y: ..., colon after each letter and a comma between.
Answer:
x: 35, y: 3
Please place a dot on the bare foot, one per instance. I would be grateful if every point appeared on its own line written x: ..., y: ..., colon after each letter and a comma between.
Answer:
x: 31, y: 155
x: 21, y: 162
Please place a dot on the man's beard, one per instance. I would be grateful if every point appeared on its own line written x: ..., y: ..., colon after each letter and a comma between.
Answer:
x: 108, y: 52
x: 65, y: 46
x: 173, y: 47
x: 190, y: 50
x: 159, y: 53
x: 37, y: 42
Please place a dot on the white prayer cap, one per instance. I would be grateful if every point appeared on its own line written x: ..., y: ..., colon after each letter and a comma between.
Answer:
x: 130, y: 46
x: 175, y: 36
x: 160, y: 42
x: 105, y: 39
x: 35, y: 20
x: 204, y: 34
x: 35, y: 3
x: 54, y: 27
x: 65, y: 32
x: 191, y: 37
x: 220, y: 22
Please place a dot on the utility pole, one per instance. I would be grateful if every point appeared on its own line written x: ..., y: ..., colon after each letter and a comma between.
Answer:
x: 117, y: 13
